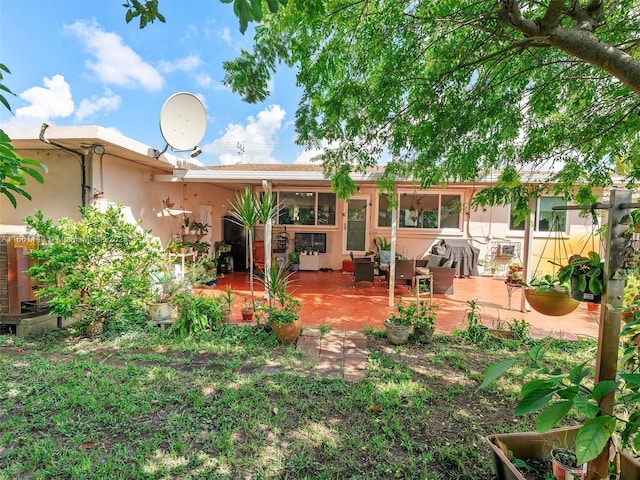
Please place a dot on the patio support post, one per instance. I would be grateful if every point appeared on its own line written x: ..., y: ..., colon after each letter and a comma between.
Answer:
x: 609, y: 328
x: 266, y: 186
x: 526, y: 253
x: 395, y: 212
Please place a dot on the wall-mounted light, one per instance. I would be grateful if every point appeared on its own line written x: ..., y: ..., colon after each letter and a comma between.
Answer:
x: 98, y: 149
x: 178, y: 174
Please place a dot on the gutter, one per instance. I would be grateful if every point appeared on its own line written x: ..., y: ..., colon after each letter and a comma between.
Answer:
x: 82, y: 158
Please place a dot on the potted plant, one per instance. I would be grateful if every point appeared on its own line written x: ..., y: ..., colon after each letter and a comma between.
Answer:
x: 202, y: 272
x: 514, y: 273
x: 424, y: 317
x: 383, y: 249
x: 556, y: 395
x: 398, y: 325
x: 173, y: 246
x: 247, y: 210
x: 166, y: 290
x: 564, y: 463
x: 550, y: 296
x: 227, y: 302
x: 247, y: 309
x: 281, y: 309
x: 294, y: 261
x: 186, y: 221
x: 200, y: 228
x: 585, y: 275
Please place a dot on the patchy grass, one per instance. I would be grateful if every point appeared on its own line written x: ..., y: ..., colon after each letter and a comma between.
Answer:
x: 148, y: 406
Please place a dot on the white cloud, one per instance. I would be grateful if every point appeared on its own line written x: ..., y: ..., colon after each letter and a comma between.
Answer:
x: 186, y: 64
x: 309, y: 156
x: 257, y: 139
x: 108, y: 102
x: 225, y: 35
x: 54, y: 100
x: 116, y: 63
x: 313, y: 155
x: 204, y: 80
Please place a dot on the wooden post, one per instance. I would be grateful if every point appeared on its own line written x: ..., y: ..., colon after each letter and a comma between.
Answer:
x: 395, y: 213
x: 609, y: 330
x: 268, y: 229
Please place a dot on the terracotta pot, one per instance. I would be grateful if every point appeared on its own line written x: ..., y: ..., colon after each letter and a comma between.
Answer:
x: 592, y: 307
x: 551, y: 303
x: 247, y: 314
x: 287, y: 333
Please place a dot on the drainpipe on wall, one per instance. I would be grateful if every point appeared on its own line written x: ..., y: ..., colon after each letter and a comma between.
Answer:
x: 82, y: 158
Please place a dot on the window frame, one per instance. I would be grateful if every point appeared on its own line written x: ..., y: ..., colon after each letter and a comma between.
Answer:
x: 423, y: 193
x: 316, y: 194
x: 536, y: 218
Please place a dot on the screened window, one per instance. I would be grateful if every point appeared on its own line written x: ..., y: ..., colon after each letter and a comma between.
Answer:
x: 306, y: 208
x: 419, y: 210
x: 544, y: 216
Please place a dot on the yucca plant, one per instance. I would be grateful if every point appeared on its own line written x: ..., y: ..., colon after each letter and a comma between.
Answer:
x: 246, y: 212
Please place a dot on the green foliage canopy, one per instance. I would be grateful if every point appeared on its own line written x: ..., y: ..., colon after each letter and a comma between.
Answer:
x: 14, y: 169
x: 452, y: 91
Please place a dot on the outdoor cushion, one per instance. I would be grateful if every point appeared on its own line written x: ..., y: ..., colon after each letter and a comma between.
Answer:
x: 448, y: 264
x: 434, y: 261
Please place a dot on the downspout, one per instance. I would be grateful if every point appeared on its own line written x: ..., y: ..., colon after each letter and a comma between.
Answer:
x: 82, y: 158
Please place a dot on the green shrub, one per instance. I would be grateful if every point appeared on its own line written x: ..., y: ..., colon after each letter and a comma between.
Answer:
x: 198, y: 314
x: 100, y: 264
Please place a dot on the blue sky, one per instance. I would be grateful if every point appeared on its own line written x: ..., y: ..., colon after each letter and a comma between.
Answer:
x: 77, y: 62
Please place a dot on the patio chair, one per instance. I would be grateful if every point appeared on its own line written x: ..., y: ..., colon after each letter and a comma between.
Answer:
x: 443, y: 277
x: 405, y: 269
x: 362, y: 270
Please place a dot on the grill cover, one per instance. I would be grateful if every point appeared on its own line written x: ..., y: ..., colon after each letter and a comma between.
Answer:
x: 462, y: 252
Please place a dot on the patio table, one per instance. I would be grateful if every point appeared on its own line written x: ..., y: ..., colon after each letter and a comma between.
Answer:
x: 423, y: 273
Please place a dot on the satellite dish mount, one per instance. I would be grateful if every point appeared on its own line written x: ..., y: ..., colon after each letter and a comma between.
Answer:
x: 183, y: 121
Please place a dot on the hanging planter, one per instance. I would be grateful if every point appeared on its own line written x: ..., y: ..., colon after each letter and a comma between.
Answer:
x: 550, y: 296
x: 555, y: 303
x: 586, y: 277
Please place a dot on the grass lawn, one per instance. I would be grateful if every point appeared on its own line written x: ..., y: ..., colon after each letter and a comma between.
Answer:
x: 146, y: 405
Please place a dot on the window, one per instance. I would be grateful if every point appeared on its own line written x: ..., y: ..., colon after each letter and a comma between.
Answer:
x: 306, y: 208
x: 418, y: 210
x: 384, y: 215
x: 544, y: 216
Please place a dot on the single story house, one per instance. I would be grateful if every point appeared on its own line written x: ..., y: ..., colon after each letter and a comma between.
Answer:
x: 90, y: 164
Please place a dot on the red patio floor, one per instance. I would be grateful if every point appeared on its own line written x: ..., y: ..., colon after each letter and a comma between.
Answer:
x: 329, y: 298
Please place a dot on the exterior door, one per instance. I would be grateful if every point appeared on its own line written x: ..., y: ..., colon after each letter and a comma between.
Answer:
x: 356, y: 225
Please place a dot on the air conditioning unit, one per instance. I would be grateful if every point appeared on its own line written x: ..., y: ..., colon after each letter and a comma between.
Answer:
x: 507, y: 250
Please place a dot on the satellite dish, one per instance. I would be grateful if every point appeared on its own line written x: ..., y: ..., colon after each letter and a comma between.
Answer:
x: 183, y: 121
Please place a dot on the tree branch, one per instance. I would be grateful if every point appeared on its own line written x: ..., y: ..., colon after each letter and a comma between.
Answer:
x: 552, y: 14
x: 511, y: 15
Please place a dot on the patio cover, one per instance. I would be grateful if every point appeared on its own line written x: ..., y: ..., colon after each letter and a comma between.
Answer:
x: 460, y: 250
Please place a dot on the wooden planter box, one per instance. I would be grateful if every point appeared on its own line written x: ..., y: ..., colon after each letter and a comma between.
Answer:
x: 533, y: 445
